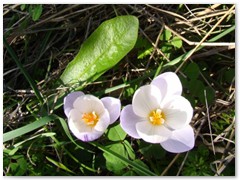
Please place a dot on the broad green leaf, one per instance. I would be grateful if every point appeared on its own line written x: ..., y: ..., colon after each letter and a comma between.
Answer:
x: 27, y: 128
x: 176, y: 42
x: 116, y: 133
x: 103, y: 49
x: 113, y: 163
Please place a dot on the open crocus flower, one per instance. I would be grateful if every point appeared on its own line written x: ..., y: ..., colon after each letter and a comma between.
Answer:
x: 88, y: 116
x: 159, y: 114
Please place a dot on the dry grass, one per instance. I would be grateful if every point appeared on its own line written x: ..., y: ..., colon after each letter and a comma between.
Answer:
x: 46, y: 46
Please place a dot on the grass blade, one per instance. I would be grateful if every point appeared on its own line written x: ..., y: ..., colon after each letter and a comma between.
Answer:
x: 59, y: 165
x: 25, y: 129
x: 22, y: 69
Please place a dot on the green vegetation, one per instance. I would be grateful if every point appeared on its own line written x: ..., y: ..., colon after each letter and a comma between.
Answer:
x: 40, y: 42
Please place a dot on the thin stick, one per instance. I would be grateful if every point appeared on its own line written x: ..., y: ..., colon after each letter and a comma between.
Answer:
x: 184, y: 160
x: 204, y: 38
x: 209, y: 123
x: 192, y: 43
x: 170, y: 164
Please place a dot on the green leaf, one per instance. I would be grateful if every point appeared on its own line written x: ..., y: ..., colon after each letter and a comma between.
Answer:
x: 104, y: 48
x: 18, y: 165
x: 152, y: 150
x: 36, y: 11
x: 176, y: 42
x: 210, y: 95
x: 22, y: 7
x: 27, y: 128
x: 60, y: 165
x: 145, y: 53
x: 129, y: 149
x: 196, y: 87
x: 229, y: 75
x: 166, y: 35
x: 116, y: 133
x: 192, y: 71
x: 129, y: 173
x: 125, y: 160
x: 113, y: 163
x: 138, y: 161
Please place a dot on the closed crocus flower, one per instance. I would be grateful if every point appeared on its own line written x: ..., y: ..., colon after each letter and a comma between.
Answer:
x: 159, y: 114
x: 88, y: 116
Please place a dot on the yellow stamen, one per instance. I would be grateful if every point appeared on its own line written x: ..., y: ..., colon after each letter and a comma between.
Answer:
x: 157, y: 117
x: 90, y: 119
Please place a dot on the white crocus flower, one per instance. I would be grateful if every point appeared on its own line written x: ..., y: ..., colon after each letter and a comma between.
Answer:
x: 159, y: 114
x: 88, y: 116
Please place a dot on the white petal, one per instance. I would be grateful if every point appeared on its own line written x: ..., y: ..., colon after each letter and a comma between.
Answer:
x: 89, y: 103
x: 128, y: 121
x: 182, y: 140
x: 104, y: 121
x: 77, y: 124
x: 68, y: 101
x: 178, y: 112
x: 80, y: 129
x: 146, y: 99
x: 152, y: 133
x: 168, y: 83
x: 113, y: 105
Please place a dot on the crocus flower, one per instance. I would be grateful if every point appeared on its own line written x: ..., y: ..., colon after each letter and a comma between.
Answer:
x: 88, y: 116
x: 159, y: 114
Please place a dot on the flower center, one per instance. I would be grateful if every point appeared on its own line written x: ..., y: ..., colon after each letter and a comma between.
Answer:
x: 157, y: 117
x: 90, y: 119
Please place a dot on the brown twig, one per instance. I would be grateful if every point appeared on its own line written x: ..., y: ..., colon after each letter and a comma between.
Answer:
x: 204, y: 38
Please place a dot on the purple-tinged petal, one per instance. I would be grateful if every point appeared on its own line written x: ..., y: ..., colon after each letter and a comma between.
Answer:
x: 69, y: 100
x: 168, y: 83
x: 84, y: 136
x: 182, y: 140
x: 128, y: 121
x: 146, y: 99
x: 178, y: 112
x: 152, y: 133
x: 113, y: 105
